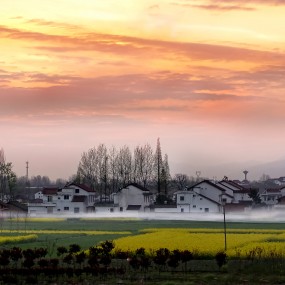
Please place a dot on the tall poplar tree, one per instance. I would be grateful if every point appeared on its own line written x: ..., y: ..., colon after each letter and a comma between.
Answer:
x: 158, y: 165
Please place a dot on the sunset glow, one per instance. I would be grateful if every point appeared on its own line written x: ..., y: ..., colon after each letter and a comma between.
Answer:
x: 205, y: 76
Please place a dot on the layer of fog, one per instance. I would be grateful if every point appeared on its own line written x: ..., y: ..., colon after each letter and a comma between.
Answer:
x: 262, y: 216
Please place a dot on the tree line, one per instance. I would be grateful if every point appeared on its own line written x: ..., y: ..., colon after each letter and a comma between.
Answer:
x: 107, y: 170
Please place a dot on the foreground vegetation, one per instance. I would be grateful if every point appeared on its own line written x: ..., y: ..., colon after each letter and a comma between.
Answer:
x: 126, y: 251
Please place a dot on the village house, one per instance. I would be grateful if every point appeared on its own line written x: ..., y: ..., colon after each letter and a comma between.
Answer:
x: 72, y: 198
x: 239, y: 193
x: 213, y: 191
x: 133, y: 197
x: 190, y: 201
x: 271, y: 196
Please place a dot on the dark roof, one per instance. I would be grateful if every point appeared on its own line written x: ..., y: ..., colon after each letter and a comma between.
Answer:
x: 37, y: 201
x: 135, y: 185
x: 230, y: 182
x: 78, y: 198
x: 210, y: 183
x: 50, y: 190
x: 207, y: 198
x: 133, y: 207
x: 82, y: 186
x: 272, y: 190
x: 243, y: 191
x: 15, y: 205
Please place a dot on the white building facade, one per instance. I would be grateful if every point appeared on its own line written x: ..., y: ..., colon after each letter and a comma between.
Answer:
x: 133, y: 197
x: 71, y: 199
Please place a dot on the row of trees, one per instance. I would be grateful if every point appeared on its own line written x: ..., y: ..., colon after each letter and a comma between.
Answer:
x: 7, y: 178
x: 107, y: 170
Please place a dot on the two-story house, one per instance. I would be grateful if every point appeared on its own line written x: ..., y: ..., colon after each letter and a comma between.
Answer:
x: 190, y: 201
x: 133, y: 197
x: 72, y: 198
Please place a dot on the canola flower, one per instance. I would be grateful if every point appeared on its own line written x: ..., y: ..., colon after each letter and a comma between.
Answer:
x: 200, y: 241
x: 67, y: 232
x: 37, y: 219
x: 15, y: 239
x: 111, y: 219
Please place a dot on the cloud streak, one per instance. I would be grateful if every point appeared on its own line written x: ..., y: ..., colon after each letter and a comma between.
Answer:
x: 228, y: 6
x: 131, y: 46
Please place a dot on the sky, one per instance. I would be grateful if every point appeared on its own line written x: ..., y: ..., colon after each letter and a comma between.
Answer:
x: 205, y: 76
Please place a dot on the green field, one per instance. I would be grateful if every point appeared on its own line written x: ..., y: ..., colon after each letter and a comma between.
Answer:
x: 117, y: 228
x: 52, y: 234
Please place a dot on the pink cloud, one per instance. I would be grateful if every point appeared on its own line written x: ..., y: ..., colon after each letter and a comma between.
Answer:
x: 139, y: 47
x: 230, y: 5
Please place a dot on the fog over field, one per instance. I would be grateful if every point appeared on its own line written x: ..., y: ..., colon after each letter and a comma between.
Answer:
x: 255, y: 216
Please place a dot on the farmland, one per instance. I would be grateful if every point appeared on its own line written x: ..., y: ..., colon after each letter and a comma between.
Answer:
x: 250, y: 246
x: 128, y: 234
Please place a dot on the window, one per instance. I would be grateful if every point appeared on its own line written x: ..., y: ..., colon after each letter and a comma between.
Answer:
x: 201, y: 198
x: 111, y: 210
x: 194, y: 206
x: 182, y: 210
x: 66, y: 197
x: 194, y: 196
x: 121, y: 209
x: 76, y: 210
x: 49, y: 198
x: 66, y: 208
x: 181, y: 198
x: 201, y: 209
x: 206, y: 210
x: 58, y: 198
x: 58, y: 210
x: 77, y: 191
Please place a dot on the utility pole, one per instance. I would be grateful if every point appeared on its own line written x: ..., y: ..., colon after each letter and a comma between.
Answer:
x: 27, y: 181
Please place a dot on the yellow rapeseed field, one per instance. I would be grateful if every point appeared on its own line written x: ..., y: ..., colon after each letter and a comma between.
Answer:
x: 66, y: 232
x: 15, y: 239
x: 205, y: 241
x: 29, y: 219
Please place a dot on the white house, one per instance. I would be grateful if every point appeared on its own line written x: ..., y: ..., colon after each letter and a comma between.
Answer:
x: 133, y: 197
x: 72, y: 198
x: 239, y: 193
x: 271, y: 196
x: 213, y: 191
x: 191, y: 201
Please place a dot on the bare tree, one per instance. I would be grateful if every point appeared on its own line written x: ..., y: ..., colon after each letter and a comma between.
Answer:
x: 143, y: 164
x: 181, y: 181
x: 102, y: 155
x: 124, y: 165
x: 113, y: 169
x: 88, y: 168
x: 7, y: 178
